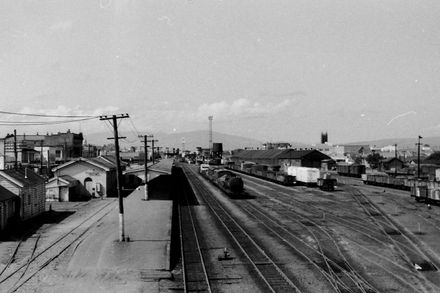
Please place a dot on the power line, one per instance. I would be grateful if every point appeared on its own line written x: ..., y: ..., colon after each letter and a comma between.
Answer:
x: 45, y: 115
x: 12, y: 123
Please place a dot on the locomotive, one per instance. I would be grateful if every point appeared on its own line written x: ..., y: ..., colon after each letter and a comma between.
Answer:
x: 229, y: 182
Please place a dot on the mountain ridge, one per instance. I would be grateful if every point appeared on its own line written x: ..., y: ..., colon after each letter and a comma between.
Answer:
x: 200, y: 138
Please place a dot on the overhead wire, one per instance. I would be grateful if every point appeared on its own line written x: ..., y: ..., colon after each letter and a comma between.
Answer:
x: 48, y: 116
x: 11, y: 123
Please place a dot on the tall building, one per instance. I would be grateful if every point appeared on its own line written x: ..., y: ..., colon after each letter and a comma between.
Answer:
x: 40, y: 149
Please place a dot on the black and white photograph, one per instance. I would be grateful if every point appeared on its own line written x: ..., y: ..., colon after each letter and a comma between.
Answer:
x: 219, y: 146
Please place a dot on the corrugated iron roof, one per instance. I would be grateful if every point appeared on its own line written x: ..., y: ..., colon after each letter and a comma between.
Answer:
x: 25, y: 177
x: 6, y: 194
x: 103, y: 162
x: 272, y: 154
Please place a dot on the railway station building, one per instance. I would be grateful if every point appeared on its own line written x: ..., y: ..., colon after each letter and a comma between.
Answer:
x: 96, y: 177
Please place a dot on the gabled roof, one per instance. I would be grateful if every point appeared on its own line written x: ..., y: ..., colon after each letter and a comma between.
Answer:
x: 22, y: 177
x: 64, y: 180
x: 111, y: 159
x: 388, y: 160
x: 98, y: 162
x: 6, y: 194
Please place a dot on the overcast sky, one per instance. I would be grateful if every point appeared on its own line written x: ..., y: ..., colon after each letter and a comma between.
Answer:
x: 270, y: 70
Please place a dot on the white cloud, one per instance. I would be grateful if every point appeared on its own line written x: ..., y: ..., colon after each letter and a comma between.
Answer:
x: 63, y: 110
x: 243, y: 108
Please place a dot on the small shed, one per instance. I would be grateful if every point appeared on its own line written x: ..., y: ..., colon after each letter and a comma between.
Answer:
x: 63, y: 188
x: 8, y: 207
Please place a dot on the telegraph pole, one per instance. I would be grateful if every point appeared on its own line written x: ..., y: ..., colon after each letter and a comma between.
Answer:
x: 418, y: 157
x: 152, y: 149
x: 114, y: 118
x: 41, y: 157
x: 15, y: 150
x: 145, y: 141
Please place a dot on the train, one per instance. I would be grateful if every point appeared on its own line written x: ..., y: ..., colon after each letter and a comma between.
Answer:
x: 229, y: 182
x: 427, y: 191
x: 354, y: 170
x: 293, y: 176
x: 421, y: 189
x: 266, y: 172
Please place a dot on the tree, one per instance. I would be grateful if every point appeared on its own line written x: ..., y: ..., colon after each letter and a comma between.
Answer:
x: 374, y: 160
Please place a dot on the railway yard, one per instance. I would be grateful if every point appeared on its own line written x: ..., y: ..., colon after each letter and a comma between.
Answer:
x: 299, y: 239
x: 272, y: 238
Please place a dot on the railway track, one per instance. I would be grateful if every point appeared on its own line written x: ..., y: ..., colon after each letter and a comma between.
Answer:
x: 403, y: 242
x: 15, y: 277
x: 195, y: 276
x: 269, y: 272
x: 314, y: 213
x: 332, y: 262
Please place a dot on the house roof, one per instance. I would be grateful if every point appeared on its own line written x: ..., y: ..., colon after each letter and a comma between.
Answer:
x: 111, y: 159
x: 6, y: 194
x: 98, y: 162
x: 389, y: 160
x: 64, y: 180
x: 22, y: 177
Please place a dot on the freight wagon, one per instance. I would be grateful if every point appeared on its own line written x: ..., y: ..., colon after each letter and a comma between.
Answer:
x: 353, y: 170
x: 270, y: 173
x: 427, y: 191
x: 307, y: 176
x: 304, y: 175
x: 421, y: 189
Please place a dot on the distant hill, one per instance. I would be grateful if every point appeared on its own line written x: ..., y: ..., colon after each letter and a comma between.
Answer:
x: 192, y: 140
x: 200, y: 138
x: 402, y: 143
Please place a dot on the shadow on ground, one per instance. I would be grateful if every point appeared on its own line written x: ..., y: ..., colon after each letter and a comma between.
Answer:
x: 23, y: 230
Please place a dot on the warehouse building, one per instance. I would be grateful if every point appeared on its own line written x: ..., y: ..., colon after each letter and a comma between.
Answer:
x: 8, y: 207
x: 283, y: 158
x: 29, y: 188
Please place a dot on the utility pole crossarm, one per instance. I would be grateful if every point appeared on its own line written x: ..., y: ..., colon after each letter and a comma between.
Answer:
x: 116, y: 137
x: 145, y: 141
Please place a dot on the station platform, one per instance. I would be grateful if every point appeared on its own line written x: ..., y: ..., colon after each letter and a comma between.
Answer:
x: 101, y: 263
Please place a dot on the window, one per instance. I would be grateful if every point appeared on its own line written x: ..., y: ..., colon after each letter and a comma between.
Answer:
x: 58, y: 153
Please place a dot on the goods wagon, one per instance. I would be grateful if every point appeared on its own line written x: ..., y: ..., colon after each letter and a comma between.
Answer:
x: 304, y: 175
x: 270, y: 173
x: 308, y: 176
x: 353, y: 170
x: 421, y: 189
x: 326, y: 182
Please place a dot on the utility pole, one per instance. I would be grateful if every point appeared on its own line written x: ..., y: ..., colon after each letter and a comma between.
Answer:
x: 114, y: 118
x: 152, y: 149
x: 145, y: 141
x: 418, y: 157
x: 15, y: 150
x: 210, y: 134
x: 41, y: 157
x: 395, y: 156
